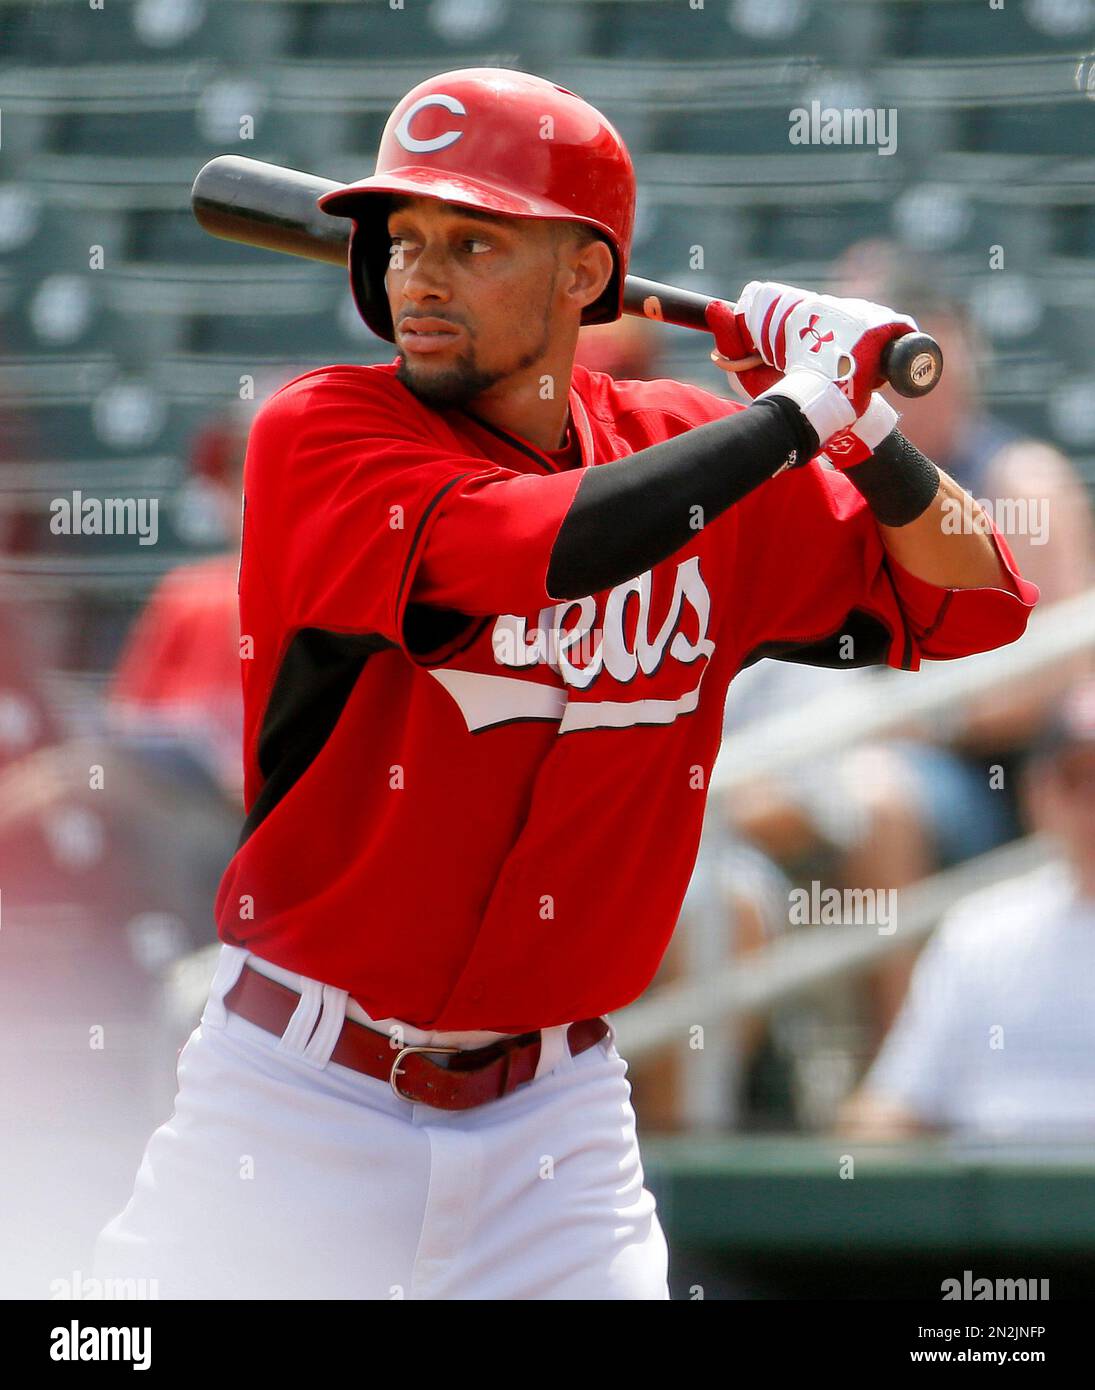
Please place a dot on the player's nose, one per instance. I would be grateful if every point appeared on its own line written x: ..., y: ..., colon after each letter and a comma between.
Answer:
x: 427, y: 277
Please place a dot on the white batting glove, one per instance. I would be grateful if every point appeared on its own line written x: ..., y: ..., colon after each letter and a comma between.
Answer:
x: 841, y: 338
x: 857, y: 443
x: 823, y: 403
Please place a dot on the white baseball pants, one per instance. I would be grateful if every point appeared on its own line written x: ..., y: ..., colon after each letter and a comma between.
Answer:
x: 282, y: 1174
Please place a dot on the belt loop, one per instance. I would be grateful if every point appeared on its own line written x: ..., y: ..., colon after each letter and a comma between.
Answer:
x: 553, y: 1048
x: 230, y: 964
x: 299, y: 1028
x: 331, y: 1018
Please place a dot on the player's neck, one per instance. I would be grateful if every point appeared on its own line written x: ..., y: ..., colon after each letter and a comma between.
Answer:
x: 533, y: 405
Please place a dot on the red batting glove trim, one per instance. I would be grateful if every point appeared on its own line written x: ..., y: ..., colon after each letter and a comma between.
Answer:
x: 734, y: 341
x: 781, y: 334
x: 767, y: 347
x: 731, y: 335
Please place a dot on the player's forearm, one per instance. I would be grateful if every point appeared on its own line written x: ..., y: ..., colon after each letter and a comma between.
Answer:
x: 933, y: 550
x: 631, y: 514
x: 930, y: 545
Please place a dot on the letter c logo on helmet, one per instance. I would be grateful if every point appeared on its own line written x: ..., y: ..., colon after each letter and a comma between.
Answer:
x: 476, y: 138
x: 436, y: 142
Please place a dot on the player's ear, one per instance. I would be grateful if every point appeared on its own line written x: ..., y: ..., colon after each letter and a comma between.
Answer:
x: 587, y: 269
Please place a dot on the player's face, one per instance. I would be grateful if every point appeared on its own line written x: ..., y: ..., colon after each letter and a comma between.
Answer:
x: 474, y: 298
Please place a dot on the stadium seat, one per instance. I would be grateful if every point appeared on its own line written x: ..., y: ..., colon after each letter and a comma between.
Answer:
x: 1065, y: 127
x: 453, y: 29
x: 946, y: 28
x: 740, y: 28
x: 306, y: 335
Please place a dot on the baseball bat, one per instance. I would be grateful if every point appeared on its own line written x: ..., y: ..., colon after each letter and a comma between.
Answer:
x: 272, y: 207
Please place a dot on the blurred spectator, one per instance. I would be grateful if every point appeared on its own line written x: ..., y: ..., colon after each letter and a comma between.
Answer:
x: 178, y: 682
x: 997, y: 1036
x: 177, y: 696
x: 628, y: 350
x: 27, y: 721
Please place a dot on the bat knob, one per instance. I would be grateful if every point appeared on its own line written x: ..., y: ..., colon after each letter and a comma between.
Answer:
x: 913, y: 364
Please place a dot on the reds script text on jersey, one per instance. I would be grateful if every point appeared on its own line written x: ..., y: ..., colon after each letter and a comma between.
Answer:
x: 473, y: 805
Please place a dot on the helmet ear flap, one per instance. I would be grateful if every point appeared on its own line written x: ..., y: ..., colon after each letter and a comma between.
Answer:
x: 369, y: 257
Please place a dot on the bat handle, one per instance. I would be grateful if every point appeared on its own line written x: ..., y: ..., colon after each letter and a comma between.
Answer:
x: 913, y: 364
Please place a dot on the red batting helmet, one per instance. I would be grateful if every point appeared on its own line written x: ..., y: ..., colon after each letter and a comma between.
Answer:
x: 500, y: 141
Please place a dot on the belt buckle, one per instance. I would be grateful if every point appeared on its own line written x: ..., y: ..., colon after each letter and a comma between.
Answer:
x: 403, y: 1052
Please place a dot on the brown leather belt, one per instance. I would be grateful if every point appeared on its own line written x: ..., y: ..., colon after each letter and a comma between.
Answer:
x: 459, y: 1078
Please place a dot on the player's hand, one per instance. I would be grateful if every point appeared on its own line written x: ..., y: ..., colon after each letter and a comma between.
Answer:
x: 857, y: 443
x: 842, y: 338
x: 735, y: 351
x: 820, y: 399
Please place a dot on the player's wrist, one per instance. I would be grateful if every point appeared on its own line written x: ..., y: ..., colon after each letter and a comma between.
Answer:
x: 820, y: 401
x: 898, y: 482
x: 856, y: 444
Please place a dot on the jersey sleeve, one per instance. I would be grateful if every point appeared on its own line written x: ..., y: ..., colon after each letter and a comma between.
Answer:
x: 343, y: 492
x: 812, y: 582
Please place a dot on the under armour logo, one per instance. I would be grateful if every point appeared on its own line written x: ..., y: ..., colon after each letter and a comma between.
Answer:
x: 811, y: 330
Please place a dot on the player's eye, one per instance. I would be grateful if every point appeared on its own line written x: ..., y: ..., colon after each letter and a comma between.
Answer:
x: 476, y: 246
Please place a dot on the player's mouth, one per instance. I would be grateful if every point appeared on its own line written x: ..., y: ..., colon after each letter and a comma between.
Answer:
x: 426, y: 335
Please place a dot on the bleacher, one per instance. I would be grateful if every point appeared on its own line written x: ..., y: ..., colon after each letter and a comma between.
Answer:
x: 107, y: 114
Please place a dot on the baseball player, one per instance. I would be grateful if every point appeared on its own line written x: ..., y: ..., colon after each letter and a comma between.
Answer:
x: 494, y: 604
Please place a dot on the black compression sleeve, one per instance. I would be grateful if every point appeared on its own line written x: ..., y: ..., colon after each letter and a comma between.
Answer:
x: 898, y: 481
x: 632, y: 513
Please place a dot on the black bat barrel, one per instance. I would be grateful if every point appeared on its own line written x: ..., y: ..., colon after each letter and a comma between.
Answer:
x: 266, y: 205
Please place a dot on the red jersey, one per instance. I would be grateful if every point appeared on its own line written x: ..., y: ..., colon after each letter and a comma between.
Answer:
x: 473, y: 805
